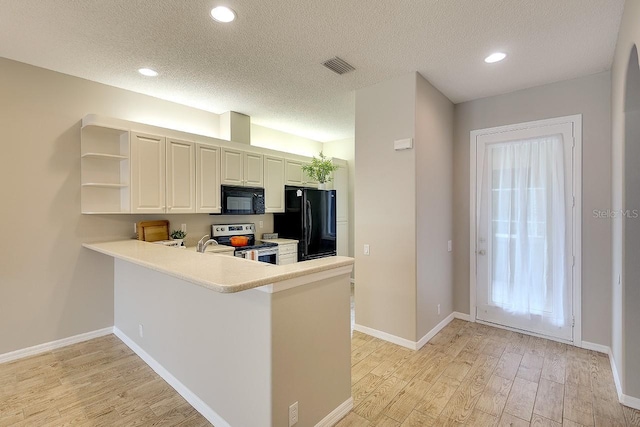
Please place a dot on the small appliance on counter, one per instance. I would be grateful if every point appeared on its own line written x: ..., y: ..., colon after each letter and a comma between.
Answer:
x: 309, y: 218
x: 242, y: 237
x: 242, y: 200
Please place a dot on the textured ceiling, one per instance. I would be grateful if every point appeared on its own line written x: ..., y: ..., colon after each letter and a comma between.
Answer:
x: 267, y: 64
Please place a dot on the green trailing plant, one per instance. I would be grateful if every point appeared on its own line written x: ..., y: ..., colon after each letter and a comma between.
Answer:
x: 320, y: 169
x: 178, y: 234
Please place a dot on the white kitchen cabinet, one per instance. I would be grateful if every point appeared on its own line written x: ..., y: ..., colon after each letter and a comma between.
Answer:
x: 207, y: 179
x: 104, y: 168
x: 274, y: 184
x: 148, y: 173
x: 181, y: 174
x: 241, y: 168
x: 253, y: 170
x: 294, y: 174
x: 287, y: 253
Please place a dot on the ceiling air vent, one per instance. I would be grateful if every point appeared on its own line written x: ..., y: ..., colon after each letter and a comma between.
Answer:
x: 338, y: 65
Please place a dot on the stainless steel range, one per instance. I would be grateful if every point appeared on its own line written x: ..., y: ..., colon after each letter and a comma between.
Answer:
x: 255, y: 249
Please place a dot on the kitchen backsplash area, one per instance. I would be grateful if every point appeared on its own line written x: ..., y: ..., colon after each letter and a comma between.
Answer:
x: 200, y: 224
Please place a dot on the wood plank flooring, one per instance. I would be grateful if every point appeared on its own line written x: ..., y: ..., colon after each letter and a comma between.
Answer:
x: 475, y: 375
x: 469, y: 374
x: 96, y: 383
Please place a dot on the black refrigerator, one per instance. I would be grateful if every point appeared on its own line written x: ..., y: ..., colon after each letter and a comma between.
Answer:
x: 310, y: 218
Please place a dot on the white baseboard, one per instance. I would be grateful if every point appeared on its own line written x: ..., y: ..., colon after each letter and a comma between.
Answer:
x: 197, y: 403
x: 53, y: 345
x: 337, y: 414
x: 413, y: 345
x: 596, y: 347
x: 432, y: 333
x: 630, y: 401
x: 462, y: 316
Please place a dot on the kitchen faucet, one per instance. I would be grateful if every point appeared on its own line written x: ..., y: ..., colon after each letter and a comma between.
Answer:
x: 202, y: 245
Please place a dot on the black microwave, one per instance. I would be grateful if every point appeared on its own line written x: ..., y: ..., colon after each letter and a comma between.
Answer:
x: 242, y: 200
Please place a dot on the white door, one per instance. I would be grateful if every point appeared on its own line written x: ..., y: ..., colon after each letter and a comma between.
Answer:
x: 181, y: 172
x: 524, y: 242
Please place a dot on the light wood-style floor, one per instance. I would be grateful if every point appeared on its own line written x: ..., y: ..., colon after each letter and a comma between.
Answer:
x: 469, y: 374
x: 475, y: 375
x: 96, y: 383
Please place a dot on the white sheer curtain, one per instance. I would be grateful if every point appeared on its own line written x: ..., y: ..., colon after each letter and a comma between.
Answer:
x: 527, y: 217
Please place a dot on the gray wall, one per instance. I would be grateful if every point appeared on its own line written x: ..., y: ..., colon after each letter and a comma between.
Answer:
x: 624, y: 280
x: 434, y: 194
x: 403, y: 207
x: 588, y: 96
x: 385, y: 214
x: 50, y: 287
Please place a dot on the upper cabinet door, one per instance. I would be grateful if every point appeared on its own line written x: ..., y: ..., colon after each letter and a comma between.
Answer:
x: 147, y: 173
x: 253, y: 170
x: 232, y: 167
x: 207, y: 179
x: 181, y: 185
x: 293, y: 173
x: 274, y: 184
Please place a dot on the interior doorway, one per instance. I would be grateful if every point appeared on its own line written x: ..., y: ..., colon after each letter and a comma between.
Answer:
x: 526, y: 226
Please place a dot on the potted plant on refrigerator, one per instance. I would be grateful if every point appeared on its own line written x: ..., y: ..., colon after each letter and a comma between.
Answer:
x: 320, y: 169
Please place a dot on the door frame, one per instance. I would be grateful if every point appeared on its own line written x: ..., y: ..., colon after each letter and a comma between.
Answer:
x: 576, y: 121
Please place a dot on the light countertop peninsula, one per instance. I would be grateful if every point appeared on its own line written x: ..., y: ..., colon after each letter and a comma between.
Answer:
x: 217, y: 272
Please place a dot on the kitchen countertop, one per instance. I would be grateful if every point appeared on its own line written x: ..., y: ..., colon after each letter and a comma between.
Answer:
x: 213, y: 249
x: 217, y: 272
x: 280, y: 241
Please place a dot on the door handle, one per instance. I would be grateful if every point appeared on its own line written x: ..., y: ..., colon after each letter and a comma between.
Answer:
x: 482, y: 252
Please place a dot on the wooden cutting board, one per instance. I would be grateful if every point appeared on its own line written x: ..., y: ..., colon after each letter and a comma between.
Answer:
x: 152, y: 231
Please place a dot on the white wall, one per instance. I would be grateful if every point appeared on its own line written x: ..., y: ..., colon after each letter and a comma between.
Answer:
x: 281, y: 141
x: 626, y: 297
x: 588, y: 96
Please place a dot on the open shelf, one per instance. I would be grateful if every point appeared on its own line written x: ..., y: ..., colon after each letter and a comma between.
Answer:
x: 104, y: 167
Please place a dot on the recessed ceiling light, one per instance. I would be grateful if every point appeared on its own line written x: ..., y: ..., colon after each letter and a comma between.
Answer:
x: 495, y: 57
x: 223, y: 14
x: 148, y: 72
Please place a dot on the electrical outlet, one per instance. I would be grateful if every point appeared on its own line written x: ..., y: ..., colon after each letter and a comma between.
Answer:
x: 183, y: 228
x: 135, y: 228
x: 141, y: 330
x: 293, y: 414
x: 261, y: 224
x: 449, y: 246
x: 366, y: 250
x: 438, y: 308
